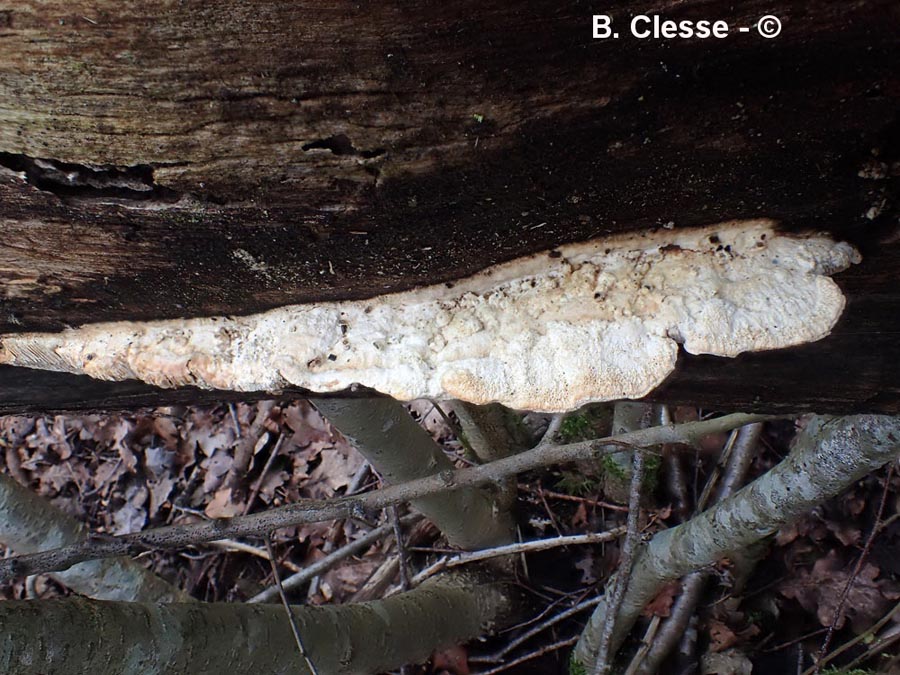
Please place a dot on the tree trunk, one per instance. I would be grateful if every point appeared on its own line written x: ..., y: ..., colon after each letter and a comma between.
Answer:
x: 79, y: 636
x: 169, y: 159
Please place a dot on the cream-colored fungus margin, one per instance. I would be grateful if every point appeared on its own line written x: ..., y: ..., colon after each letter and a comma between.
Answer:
x: 595, y: 321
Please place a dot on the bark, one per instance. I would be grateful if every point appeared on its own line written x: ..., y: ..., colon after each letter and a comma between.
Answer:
x: 29, y: 523
x: 616, y: 468
x: 78, y: 636
x: 400, y: 450
x: 494, y: 432
x: 742, y: 451
x: 216, y: 157
x: 829, y: 455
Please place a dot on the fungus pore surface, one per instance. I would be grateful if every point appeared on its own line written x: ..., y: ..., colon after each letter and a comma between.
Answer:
x: 600, y: 320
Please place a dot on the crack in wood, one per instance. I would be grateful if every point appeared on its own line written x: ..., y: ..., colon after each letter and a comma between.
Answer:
x: 340, y: 144
x: 86, y: 181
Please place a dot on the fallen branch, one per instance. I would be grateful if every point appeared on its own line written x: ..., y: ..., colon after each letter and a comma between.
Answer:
x: 73, y: 636
x: 310, y: 511
x: 323, y: 565
x: 514, y: 549
x: 738, y: 455
x: 828, y: 455
x: 620, y: 584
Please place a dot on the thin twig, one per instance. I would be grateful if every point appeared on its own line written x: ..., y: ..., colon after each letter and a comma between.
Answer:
x: 574, y: 498
x: 540, y: 628
x: 532, y: 655
x: 234, y: 419
x: 839, y: 612
x: 378, y: 581
x: 521, y: 547
x: 309, y: 511
x: 549, y: 511
x: 247, y: 444
x: 287, y: 608
x: 865, y: 635
x: 320, y: 566
x: 358, y: 480
x: 791, y: 643
x: 879, y: 645
x: 262, y: 476
x: 713, y: 480
x: 402, y: 559
x: 629, y: 547
x: 646, y: 646
x: 241, y: 547
x: 552, y: 429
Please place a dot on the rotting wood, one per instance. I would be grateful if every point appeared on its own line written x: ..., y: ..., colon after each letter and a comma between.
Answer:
x: 228, y: 157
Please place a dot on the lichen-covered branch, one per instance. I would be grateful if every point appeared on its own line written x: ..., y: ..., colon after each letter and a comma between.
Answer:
x: 75, y: 636
x: 308, y: 511
x: 829, y: 454
x: 742, y: 451
x: 400, y: 450
x: 29, y: 523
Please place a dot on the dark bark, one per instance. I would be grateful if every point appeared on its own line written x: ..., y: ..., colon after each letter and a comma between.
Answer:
x: 172, y: 159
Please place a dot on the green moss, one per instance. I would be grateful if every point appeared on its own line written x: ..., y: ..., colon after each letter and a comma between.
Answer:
x: 576, y: 667
x: 756, y: 616
x: 577, y: 483
x: 841, y: 671
x: 652, y: 466
x: 575, y: 427
x: 613, y: 469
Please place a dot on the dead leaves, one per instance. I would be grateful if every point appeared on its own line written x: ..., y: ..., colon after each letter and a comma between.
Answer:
x: 661, y: 605
x: 819, y: 590
x: 128, y: 471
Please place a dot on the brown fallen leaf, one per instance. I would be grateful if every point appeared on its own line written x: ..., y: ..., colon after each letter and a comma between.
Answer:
x: 721, y: 637
x: 222, y: 505
x: 819, y: 590
x: 454, y: 660
x: 661, y: 605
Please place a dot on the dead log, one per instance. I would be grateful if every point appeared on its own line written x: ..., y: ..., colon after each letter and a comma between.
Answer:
x: 163, y: 160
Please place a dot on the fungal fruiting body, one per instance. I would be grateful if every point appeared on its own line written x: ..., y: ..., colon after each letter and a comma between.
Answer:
x: 600, y: 320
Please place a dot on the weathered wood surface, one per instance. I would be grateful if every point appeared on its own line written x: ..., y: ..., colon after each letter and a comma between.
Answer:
x: 162, y: 159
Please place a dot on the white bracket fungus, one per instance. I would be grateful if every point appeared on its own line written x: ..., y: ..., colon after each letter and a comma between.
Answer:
x: 595, y: 321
